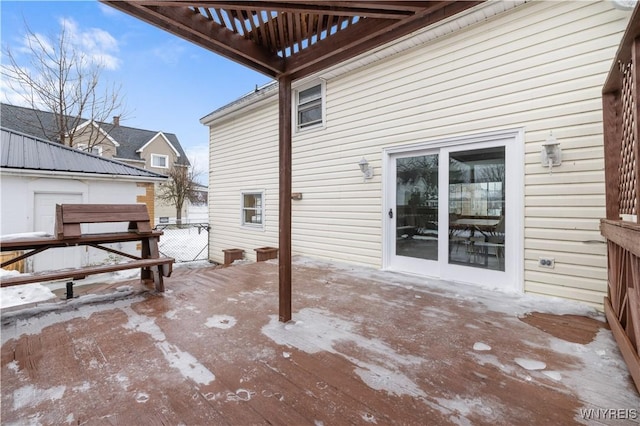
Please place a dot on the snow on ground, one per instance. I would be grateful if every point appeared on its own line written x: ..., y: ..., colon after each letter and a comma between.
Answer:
x: 41, y: 292
x: 23, y: 235
x: 184, y: 244
x: 38, y: 292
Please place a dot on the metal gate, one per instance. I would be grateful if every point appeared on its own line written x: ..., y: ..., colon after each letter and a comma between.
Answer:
x: 185, y: 242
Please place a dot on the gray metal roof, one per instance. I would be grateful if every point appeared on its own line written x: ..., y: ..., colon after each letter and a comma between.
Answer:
x: 20, y: 151
x: 32, y: 122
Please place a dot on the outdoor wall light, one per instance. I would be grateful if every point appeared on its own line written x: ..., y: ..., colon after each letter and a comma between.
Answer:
x: 551, y: 154
x: 365, y: 168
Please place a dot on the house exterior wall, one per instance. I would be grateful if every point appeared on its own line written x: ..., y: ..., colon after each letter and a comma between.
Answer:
x: 244, y: 158
x: 18, y: 210
x: 91, y: 135
x: 158, y: 146
x: 539, y: 67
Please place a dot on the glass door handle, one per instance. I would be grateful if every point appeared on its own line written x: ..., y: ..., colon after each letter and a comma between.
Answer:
x: 390, y: 213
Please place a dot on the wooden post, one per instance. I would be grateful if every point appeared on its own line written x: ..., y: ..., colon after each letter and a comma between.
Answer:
x: 612, y: 147
x: 284, y: 244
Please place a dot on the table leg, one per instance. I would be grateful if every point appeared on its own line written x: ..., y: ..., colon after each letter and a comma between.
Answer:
x: 150, y: 251
x: 154, y: 253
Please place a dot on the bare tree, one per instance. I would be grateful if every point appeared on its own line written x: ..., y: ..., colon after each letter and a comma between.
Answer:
x: 181, y: 187
x: 58, y: 77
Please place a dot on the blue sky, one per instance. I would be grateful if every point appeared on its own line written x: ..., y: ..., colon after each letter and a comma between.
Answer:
x: 168, y: 83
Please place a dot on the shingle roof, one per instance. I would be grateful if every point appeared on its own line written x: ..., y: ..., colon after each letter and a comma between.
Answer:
x: 20, y: 151
x: 27, y: 121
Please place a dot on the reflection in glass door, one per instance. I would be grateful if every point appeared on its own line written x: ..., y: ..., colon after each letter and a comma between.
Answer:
x: 417, y: 207
x: 477, y: 208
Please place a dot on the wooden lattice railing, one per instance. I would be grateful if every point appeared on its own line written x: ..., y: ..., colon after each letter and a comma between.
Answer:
x: 621, y: 228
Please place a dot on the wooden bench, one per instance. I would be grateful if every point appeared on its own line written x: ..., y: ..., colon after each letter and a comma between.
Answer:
x: 68, y: 221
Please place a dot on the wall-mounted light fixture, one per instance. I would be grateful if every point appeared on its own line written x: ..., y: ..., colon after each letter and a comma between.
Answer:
x: 551, y: 154
x: 365, y: 168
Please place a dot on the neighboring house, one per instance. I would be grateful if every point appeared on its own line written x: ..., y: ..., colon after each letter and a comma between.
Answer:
x: 192, y: 212
x: 148, y: 149
x: 452, y: 121
x: 35, y: 175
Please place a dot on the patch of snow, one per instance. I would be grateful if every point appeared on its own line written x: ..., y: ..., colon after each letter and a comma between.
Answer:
x: 286, y: 355
x: 31, y: 396
x: 479, y: 346
x: 23, y: 235
x: 38, y: 292
x: 183, y: 361
x: 82, y: 388
x: 530, y: 364
x: 369, y: 418
x: 221, y: 321
x: 554, y: 375
x: 142, y: 397
x: 22, y: 294
x: 172, y: 314
x: 33, y: 320
x: 13, y: 366
x: 602, y: 355
x: 393, y: 382
x: 459, y: 406
x: 240, y: 395
x: 319, y: 330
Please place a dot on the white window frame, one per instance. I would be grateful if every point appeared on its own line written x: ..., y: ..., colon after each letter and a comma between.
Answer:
x: 166, y: 161
x: 84, y: 147
x: 250, y: 225
x: 296, y: 104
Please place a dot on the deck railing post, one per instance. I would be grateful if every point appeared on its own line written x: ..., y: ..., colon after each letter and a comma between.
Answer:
x: 612, y: 147
x: 284, y: 245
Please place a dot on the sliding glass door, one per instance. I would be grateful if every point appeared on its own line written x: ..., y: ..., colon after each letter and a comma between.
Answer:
x: 449, y: 209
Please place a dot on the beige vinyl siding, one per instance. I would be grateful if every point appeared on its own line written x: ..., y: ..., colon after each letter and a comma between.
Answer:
x: 245, y: 158
x: 539, y: 67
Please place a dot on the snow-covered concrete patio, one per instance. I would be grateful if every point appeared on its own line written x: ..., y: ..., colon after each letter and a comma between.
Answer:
x: 365, y: 347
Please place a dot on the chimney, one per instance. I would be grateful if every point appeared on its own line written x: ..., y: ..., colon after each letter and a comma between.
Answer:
x: 116, y: 120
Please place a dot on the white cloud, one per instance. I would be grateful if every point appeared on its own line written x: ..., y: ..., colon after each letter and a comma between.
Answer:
x: 35, y: 41
x: 96, y: 44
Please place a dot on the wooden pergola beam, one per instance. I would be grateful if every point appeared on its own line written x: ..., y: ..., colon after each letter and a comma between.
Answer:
x: 388, y: 10
x: 366, y: 35
x: 194, y: 27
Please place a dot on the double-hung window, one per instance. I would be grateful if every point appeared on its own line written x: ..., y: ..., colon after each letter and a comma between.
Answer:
x: 95, y: 150
x: 159, y: 161
x: 310, y: 106
x: 253, y: 209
